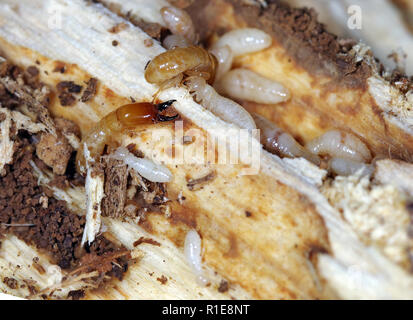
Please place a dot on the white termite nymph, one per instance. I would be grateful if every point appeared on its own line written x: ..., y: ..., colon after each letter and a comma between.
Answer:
x: 179, y: 22
x: 245, y: 40
x: 224, y: 108
x: 175, y: 41
x: 276, y: 141
x: 146, y: 168
x: 244, y: 84
x: 225, y: 57
x: 337, y: 144
x: 346, y: 167
x: 192, y: 251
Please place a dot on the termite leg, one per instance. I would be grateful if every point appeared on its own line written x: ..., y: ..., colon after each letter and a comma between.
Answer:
x: 170, y: 83
x: 162, y: 118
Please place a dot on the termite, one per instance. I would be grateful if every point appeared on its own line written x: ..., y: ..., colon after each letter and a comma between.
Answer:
x: 174, y: 64
x: 179, y: 22
x: 125, y: 119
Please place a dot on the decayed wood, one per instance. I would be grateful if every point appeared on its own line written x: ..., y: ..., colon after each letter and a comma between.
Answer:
x: 324, y: 95
x: 257, y: 231
x: 288, y: 223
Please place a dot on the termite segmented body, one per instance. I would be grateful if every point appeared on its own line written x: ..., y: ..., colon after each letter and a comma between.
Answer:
x: 189, y: 61
x: 179, y: 22
x: 122, y: 120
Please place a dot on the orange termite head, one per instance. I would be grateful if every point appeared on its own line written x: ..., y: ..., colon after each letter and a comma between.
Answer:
x: 135, y: 114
